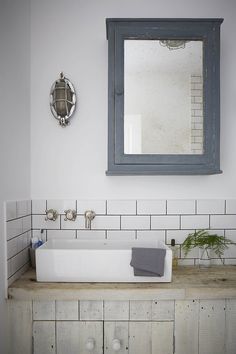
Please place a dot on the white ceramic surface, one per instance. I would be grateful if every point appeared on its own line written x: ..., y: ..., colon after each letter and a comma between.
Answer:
x: 93, y: 261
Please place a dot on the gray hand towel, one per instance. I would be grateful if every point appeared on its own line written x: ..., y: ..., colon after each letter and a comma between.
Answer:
x: 148, y: 262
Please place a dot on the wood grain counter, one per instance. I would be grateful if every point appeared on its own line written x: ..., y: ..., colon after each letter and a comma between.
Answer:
x: 188, y: 283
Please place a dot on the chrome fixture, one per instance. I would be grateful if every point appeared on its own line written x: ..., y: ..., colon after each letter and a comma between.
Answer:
x: 89, y: 216
x: 51, y: 214
x: 173, y: 44
x: 70, y: 215
x: 62, y: 100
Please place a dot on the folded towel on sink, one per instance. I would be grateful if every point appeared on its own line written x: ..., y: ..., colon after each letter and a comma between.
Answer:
x: 148, y: 262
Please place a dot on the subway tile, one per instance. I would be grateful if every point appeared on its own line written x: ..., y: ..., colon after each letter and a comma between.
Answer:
x: 18, y: 274
x: 195, y: 222
x: 151, y: 207
x: 210, y: 206
x: 180, y: 206
x: 230, y: 252
x: 60, y: 205
x: 135, y: 222
x: 151, y: 235
x: 165, y: 222
x: 26, y: 222
x: 106, y: 222
x: 99, y: 206
x: 231, y: 234
x: 38, y: 206
x: 216, y: 232
x: 78, y: 223
x: 231, y: 206
x: 12, y: 248
x: 121, y: 235
x: 17, y: 262
x: 9, y: 269
x: 230, y: 261
x: 39, y: 222
x: 61, y: 234
x: 44, y: 310
x: 194, y: 253
x: 23, y: 208
x: 14, y: 228
x: 91, y: 234
x: 223, y: 222
x: 10, y: 210
x: 178, y: 235
x: 121, y: 207
x: 20, y: 240
x: 25, y: 239
x: 24, y: 256
x: 67, y: 310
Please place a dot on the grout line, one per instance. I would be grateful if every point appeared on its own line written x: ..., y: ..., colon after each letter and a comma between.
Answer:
x: 28, y: 262
x: 8, y: 259
x: 18, y: 218
x: 12, y: 238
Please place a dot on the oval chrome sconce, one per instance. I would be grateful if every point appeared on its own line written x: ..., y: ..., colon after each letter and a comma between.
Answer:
x: 62, y: 100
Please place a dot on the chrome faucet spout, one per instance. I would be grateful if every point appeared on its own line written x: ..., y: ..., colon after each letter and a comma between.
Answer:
x: 89, y: 216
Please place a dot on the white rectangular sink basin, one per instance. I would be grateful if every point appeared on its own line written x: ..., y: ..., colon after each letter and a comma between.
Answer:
x: 93, y: 261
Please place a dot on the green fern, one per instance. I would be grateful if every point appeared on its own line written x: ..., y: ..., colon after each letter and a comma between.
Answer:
x: 203, y: 239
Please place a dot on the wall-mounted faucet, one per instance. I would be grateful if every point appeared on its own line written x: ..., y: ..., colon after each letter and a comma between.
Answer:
x: 70, y: 215
x: 89, y: 216
x: 51, y: 214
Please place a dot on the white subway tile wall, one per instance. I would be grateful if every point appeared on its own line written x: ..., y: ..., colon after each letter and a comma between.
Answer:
x: 18, y: 235
x: 145, y: 207
x: 181, y: 207
x: 124, y: 207
x: 142, y: 220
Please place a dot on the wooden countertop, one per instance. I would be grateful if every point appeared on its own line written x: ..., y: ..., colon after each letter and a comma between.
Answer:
x: 188, y: 283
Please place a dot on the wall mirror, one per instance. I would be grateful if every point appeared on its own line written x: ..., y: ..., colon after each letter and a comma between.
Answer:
x: 164, y: 91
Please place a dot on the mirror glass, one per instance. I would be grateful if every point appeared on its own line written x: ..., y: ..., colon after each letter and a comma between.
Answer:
x: 163, y: 97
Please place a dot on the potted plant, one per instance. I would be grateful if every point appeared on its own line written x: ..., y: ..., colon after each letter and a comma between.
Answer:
x: 210, y: 246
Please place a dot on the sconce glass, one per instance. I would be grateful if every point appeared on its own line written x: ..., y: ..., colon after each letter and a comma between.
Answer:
x: 62, y: 100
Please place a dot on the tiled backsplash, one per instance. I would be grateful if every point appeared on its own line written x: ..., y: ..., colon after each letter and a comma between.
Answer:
x: 18, y: 235
x: 119, y: 220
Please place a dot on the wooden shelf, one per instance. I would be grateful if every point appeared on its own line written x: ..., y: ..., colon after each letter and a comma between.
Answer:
x: 188, y: 283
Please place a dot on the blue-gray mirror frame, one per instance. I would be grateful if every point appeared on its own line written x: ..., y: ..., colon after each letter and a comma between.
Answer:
x: 207, y: 30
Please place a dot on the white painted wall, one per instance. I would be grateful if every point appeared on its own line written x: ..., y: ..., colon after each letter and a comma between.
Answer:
x: 15, y: 120
x: 71, y: 162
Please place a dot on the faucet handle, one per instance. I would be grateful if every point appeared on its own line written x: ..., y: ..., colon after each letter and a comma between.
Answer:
x: 51, y: 214
x: 70, y: 215
x: 89, y: 216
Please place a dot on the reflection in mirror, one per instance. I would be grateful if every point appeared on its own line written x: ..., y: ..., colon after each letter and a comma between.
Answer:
x: 163, y: 100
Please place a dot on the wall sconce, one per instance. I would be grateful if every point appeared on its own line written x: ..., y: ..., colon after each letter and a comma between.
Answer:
x: 62, y: 100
